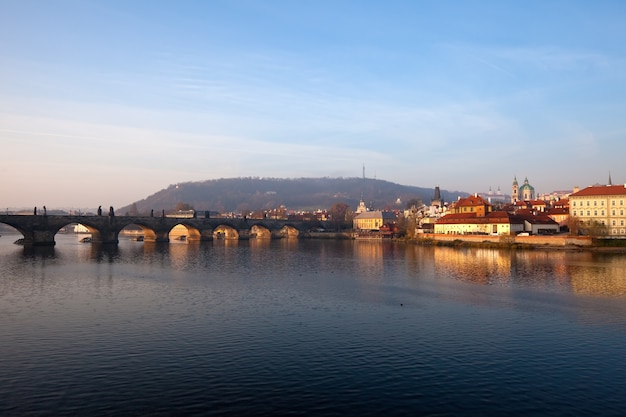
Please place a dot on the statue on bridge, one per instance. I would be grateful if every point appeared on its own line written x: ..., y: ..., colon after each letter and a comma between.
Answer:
x: 99, y: 210
x: 111, y: 212
x: 35, y: 211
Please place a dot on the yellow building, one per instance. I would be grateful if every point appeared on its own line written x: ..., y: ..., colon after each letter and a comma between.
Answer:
x: 473, y: 204
x: 494, y: 223
x: 601, y: 204
x: 373, y: 220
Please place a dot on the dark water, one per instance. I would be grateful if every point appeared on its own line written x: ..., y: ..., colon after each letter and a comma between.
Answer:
x: 309, y: 328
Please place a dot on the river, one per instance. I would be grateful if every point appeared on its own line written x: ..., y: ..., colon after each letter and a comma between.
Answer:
x: 309, y: 327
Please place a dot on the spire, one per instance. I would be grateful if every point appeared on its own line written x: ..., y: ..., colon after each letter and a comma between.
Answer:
x: 610, y: 182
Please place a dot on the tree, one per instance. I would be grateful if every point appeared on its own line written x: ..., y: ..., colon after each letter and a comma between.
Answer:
x: 340, y: 214
x: 574, y: 225
x: 591, y: 228
x: 596, y: 229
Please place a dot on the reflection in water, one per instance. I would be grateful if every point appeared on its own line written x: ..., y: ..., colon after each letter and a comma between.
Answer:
x: 593, y: 273
x: 370, y: 258
x: 588, y: 273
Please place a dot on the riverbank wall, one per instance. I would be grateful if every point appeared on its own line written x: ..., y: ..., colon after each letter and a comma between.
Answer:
x: 556, y: 241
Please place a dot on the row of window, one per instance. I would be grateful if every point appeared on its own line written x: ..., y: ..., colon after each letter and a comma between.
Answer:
x: 621, y: 231
x: 613, y: 223
x: 595, y: 212
x: 595, y: 203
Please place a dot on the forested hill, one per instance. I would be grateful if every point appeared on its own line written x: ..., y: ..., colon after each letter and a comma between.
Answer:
x: 248, y: 194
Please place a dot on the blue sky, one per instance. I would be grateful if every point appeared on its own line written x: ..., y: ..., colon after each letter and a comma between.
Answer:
x: 107, y: 102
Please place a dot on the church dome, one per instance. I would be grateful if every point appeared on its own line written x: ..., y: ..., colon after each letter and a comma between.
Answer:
x: 526, y: 186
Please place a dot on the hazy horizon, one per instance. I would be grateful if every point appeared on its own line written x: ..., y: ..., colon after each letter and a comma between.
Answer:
x: 106, y: 103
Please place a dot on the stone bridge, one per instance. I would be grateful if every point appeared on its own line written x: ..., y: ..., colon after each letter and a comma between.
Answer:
x: 39, y: 230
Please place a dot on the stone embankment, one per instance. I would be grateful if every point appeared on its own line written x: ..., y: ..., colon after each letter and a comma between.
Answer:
x: 558, y: 242
x: 555, y: 240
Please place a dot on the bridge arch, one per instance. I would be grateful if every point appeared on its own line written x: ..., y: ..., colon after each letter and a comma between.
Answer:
x: 260, y: 231
x: 226, y: 231
x: 289, y: 231
x: 141, y: 232
x: 185, y: 232
x: 15, y: 226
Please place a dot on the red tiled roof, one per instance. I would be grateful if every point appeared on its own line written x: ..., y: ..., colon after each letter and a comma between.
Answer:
x: 601, y: 190
x: 537, y: 219
x: 472, y: 200
x: 563, y: 202
x: 471, y: 218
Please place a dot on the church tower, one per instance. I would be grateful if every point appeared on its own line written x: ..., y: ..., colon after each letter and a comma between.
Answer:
x: 361, y: 208
x: 514, y: 190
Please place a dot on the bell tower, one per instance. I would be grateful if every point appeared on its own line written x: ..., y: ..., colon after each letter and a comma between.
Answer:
x: 514, y: 190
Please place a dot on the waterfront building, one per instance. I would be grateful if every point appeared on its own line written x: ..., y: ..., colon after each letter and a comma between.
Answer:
x: 475, y: 215
x: 496, y: 222
x: 601, y: 204
x: 373, y: 220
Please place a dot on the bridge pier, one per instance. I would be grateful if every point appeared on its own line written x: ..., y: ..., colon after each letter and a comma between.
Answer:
x: 39, y: 238
x: 105, y: 237
x: 159, y: 236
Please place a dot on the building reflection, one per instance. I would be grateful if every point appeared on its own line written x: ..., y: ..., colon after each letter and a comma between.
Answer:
x: 598, y: 274
x: 480, y: 266
x: 370, y: 257
x: 580, y: 272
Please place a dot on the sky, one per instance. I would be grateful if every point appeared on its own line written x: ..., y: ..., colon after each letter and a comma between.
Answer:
x: 107, y: 102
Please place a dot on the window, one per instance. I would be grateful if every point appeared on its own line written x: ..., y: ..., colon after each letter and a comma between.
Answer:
x: 595, y: 203
x: 574, y: 203
x: 613, y: 223
x: 621, y: 212
x: 613, y: 212
x: 602, y: 213
x: 595, y: 212
x: 612, y: 202
x: 587, y: 202
x: 621, y: 222
x: 574, y: 212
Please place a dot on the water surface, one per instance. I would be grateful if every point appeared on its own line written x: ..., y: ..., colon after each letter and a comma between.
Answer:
x: 292, y: 327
